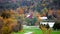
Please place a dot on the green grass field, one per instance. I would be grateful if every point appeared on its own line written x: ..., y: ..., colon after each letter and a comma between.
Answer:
x: 36, y: 31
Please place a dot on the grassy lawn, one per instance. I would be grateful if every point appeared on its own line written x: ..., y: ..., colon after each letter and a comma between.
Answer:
x: 55, y: 32
x: 36, y: 31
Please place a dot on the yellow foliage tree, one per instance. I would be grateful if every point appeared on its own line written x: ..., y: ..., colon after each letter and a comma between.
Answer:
x: 8, y: 23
